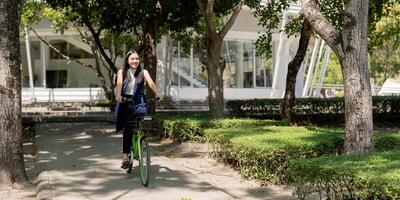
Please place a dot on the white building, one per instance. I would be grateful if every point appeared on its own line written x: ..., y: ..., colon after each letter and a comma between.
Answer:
x: 246, y: 75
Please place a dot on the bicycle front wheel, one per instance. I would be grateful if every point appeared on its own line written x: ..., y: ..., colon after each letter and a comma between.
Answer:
x: 144, y: 161
x: 129, y: 169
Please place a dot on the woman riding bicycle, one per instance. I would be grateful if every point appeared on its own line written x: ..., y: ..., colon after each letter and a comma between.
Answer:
x: 130, y: 83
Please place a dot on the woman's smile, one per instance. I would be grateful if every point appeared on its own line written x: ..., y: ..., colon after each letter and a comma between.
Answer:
x: 134, y: 60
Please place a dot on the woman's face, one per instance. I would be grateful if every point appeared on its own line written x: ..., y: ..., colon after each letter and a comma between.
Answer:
x: 133, y: 60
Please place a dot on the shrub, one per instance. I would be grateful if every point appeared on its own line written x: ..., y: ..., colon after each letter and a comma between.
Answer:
x: 184, y: 128
x: 264, y: 153
x: 368, y: 176
x: 316, y: 110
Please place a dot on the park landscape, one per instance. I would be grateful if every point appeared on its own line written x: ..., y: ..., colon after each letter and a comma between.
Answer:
x: 287, y: 146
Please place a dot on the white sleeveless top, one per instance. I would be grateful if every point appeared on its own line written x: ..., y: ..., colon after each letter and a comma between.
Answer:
x: 130, y: 88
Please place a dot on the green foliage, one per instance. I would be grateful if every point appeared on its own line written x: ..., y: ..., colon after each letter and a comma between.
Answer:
x: 269, y: 16
x: 333, y: 71
x: 331, y: 9
x: 385, y: 43
x: 264, y: 152
x: 261, y: 149
x: 31, y: 12
x: 191, y: 128
x: 384, y: 23
x: 368, y: 176
x: 316, y: 110
x: 293, y: 27
x: 59, y: 18
x: 384, y: 64
x: 388, y: 28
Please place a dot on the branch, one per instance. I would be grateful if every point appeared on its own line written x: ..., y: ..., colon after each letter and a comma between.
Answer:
x: 85, y: 38
x: 322, y: 26
x: 208, y: 14
x: 231, y: 20
x: 100, y: 46
x: 59, y: 52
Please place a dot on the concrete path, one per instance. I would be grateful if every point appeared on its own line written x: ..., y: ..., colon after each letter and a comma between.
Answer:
x: 82, y: 161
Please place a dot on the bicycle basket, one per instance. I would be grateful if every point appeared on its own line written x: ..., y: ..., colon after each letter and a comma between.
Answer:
x: 146, y: 123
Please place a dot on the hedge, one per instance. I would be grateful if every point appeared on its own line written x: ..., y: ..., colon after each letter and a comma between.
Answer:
x: 312, y: 109
x: 184, y: 128
x: 261, y: 149
x: 264, y: 153
x: 368, y: 176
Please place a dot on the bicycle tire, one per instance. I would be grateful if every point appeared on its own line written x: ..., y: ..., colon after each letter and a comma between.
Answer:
x: 144, y: 161
x: 129, y: 169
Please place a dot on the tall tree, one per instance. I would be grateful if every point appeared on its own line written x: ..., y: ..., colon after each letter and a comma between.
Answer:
x: 333, y: 13
x: 351, y: 47
x: 155, y: 18
x: 293, y: 69
x: 12, y: 168
x: 214, y: 64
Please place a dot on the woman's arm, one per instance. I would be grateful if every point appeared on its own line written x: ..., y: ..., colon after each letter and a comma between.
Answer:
x: 152, y: 86
x: 118, y: 87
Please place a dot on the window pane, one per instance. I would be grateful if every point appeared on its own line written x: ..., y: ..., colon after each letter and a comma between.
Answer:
x: 228, y: 53
x: 67, y: 49
x: 200, y: 76
x: 263, y: 70
x: 248, y: 64
x: 56, y: 78
x: 184, y: 61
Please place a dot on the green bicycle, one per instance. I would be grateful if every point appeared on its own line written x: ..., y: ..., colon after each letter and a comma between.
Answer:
x: 140, y: 149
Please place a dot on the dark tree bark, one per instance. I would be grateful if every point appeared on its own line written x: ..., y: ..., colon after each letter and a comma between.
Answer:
x: 150, y: 51
x: 150, y: 62
x: 293, y: 69
x: 215, y: 80
x: 12, y: 169
x: 215, y: 68
x: 350, y: 45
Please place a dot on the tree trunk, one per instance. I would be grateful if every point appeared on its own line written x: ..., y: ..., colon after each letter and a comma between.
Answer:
x: 150, y: 62
x: 12, y: 169
x: 215, y: 70
x: 293, y: 69
x: 216, y: 66
x: 351, y: 46
x: 167, y: 64
x: 357, y: 86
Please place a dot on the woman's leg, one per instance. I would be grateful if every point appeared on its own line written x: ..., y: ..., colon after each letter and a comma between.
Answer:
x: 127, y: 143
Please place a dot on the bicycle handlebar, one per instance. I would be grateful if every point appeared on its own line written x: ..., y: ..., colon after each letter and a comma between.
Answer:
x: 125, y: 99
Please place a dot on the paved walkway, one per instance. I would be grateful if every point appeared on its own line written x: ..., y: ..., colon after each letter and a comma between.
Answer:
x: 82, y: 161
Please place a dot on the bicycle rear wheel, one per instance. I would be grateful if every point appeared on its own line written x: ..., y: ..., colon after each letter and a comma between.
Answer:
x: 144, y: 161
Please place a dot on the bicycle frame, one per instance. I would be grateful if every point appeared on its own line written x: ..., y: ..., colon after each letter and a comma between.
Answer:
x: 135, y: 142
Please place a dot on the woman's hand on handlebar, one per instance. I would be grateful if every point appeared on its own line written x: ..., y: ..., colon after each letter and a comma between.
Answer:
x: 159, y: 98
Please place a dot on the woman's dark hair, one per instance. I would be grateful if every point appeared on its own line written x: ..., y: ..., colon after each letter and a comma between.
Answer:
x: 126, y: 66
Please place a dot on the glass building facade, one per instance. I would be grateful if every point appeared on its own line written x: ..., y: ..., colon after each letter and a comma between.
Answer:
x: 244, y: 69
